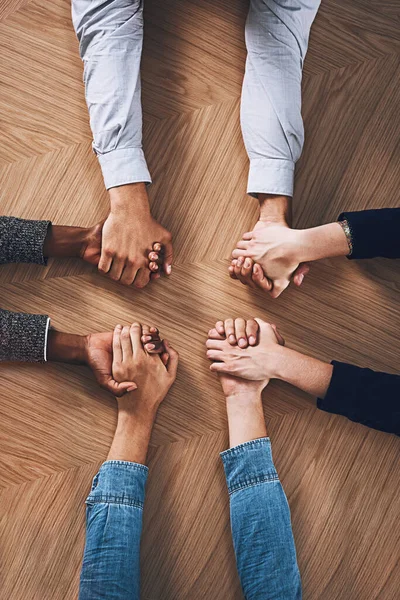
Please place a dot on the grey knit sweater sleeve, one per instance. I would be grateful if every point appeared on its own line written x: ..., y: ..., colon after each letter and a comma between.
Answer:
x: 22, y: 241
x: 23, y: 337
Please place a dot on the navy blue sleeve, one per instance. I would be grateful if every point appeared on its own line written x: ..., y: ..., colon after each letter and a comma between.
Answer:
x: 364, y: 396
x: 374, y: 232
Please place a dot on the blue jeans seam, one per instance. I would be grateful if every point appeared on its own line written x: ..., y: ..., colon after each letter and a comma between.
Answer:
x: 253, y: 484
x: 107, y: 500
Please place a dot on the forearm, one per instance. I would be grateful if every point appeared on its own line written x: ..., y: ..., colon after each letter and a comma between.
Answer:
x: 276, y: 40
x: 364, y: 396
x: 66, y: 347
x: 111, y: 39
x: 63, y: 241
x: 321, y: 242
x: 260, y: 521
x: 245, y: 418
x: 111, y: 562
x: 374, y: 232
x: 304, y: 372
x: 275, y: 209
x: 128, y: 198
x: 132, y: 435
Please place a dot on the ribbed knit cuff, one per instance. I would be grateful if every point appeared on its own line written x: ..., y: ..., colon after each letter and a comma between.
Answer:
x: 23, y: 337
x: 22, y: 240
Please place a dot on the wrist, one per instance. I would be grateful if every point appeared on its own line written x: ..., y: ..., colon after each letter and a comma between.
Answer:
x: 280, y: 362
x: 243, y: 398
x: 66, y: 347
x: 133, y: 409
x: 324, y: 241
x: 275, y: 209
x: 129, y: 197
x: 63, y: 241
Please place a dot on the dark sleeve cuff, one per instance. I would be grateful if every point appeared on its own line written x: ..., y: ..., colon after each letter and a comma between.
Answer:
x: 119, y: 482
x: 22, y: 241
x: 374, y: 232
x: 364, y: 396
x: 23, y: 337
x: 248, y: 464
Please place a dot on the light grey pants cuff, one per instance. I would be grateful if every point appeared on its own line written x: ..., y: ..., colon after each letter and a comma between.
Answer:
x: 271, y: 176
x: 123, y: 166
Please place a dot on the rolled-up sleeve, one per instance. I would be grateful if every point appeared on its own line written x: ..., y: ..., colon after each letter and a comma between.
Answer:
x: 111, y: 567
x: 110, y: 35
x: 277, y: 33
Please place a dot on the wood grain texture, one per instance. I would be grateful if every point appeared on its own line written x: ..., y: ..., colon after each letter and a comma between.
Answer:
x: 56, y: 425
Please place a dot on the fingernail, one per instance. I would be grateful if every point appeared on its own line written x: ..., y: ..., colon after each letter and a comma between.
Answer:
x: 239, y: 262
x: 232, y: 338
x: 157, y: 247
x: 150, y: 346
x: 169, y: 269
x: 301, y: 279
x: 252, y: 339
x: 247, y: 263
x: 242, y: 343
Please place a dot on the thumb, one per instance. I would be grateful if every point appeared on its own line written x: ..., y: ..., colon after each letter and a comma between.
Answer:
x: 300, y: 273
x: 119, y: 389
x: 168, y: 258
x: 260, y: 279
x: 172, y: 365
x: 281, y: 340
x: 262, y: 324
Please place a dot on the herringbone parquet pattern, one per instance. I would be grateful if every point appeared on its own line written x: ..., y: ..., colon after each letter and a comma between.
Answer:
x: 56, y: 425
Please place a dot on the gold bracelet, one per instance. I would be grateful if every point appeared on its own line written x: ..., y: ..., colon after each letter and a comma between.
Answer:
x: 347, y: 232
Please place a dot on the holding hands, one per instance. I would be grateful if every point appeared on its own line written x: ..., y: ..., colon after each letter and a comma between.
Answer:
x: 152, y: 373
x: 273, y: 254
x: 256, y: 362
x: 269, y: 258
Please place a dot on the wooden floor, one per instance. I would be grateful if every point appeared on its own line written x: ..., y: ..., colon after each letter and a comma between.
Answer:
x: 341, y: 479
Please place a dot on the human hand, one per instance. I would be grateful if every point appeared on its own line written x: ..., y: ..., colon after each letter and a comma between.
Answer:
x: 277, y: 249
x: 98, y: 355
x: 152, y: 375
x: 237, y: 332
x: 256, y: 362
x: 129, y: 233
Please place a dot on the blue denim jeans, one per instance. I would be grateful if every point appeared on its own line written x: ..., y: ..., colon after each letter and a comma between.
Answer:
x: 260, y: 519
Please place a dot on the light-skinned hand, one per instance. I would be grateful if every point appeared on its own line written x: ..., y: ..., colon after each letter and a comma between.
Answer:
x: 268, y: 258
x: 131, y: 362
x: 98, y: 355
x: 255, y: 363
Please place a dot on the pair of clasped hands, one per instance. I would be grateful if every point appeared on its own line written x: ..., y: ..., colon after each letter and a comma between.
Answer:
x: 243, y: 353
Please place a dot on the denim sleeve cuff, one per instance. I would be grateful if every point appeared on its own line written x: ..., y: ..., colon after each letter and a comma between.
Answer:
x: 271, y: 176
x: 119, y: 482
x: 249, y: 464
x: 123, y: 166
